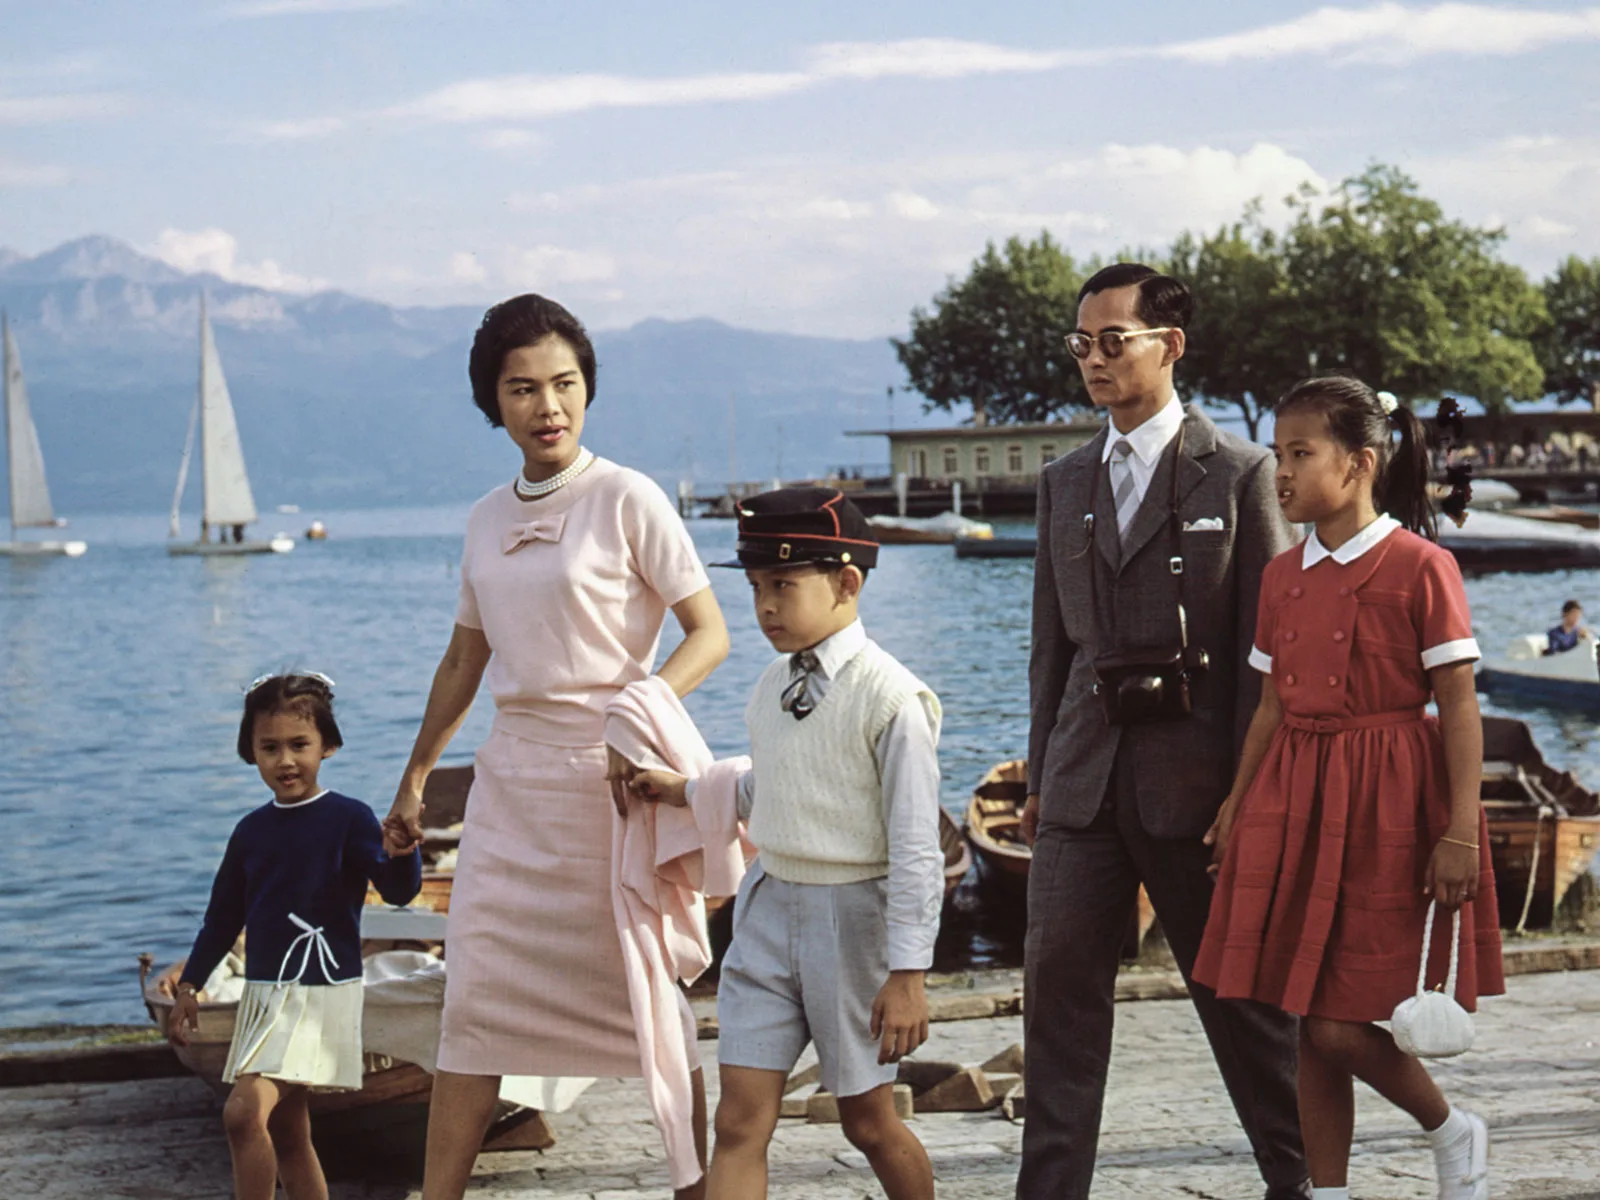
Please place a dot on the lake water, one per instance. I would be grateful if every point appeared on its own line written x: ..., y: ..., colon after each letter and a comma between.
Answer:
x: 121, y: 675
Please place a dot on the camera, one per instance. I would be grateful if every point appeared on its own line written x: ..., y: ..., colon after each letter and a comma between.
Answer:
x: 1148, y: 685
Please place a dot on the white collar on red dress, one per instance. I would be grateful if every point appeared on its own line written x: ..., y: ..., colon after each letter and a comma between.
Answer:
x: 1374, y: 532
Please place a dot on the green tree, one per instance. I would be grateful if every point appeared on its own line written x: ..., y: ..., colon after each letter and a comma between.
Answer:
x: 1239, y: 344
x: 1378, y: 282
x: 996, y: 340
x: 1570, y: 346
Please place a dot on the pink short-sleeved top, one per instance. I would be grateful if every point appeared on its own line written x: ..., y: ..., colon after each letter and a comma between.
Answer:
x: 1359, y: 633
x: 571, y: 591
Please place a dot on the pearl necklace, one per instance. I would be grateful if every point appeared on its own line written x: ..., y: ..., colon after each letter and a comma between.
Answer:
x: 527, y: 490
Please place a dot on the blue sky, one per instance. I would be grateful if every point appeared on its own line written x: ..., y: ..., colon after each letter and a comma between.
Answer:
x: 813, y: 168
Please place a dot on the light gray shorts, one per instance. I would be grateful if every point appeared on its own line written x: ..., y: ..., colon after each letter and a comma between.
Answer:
x: 806, y: 963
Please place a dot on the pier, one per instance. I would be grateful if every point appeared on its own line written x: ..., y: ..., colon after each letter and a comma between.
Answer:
x: 1169, y: 1130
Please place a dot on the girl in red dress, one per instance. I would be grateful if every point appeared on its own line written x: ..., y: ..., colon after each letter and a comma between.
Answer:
x: 1352, y: 808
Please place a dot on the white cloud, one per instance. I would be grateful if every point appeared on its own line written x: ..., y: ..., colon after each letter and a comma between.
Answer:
x: 68, y: 106
x: 1386, y: 33
x: 1397, y: 33
x: 465, y: 268
x: 1538, y: 226
x: 542, y: 266
x: 532, y: 97
x: 14, y: 174
x: 216, y: 251
x: 309, y: 129
x: 509, y: 139
x: 295, y: 8
x: 912, y: 207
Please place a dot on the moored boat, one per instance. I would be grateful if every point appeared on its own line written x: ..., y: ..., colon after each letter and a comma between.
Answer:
x: 941, y: 530
x: 228, y: 503
x: 30, y: 494
x: 957, y: 853
x: 994, y: 827
x: 1526, y: 674
x: 1544, y: 826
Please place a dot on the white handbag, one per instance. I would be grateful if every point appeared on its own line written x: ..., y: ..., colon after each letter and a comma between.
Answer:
x: 1432, y: 1024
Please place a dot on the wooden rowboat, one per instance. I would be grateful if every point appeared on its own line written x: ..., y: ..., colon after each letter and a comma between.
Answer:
x: 957, y: 853
x: 994, y: 827
x: 1544, y: 826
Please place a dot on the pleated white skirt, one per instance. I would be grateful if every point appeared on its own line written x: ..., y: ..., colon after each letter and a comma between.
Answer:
x: 299, y: 1033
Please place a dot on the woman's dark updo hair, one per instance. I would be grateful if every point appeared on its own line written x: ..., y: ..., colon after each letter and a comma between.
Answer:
x: 1357, y: 422
x: 522, y: 321
x: 308, y: 696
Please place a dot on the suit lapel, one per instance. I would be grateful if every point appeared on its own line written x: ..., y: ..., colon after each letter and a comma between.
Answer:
x: 1104, y: 508
x: 1155, y: 507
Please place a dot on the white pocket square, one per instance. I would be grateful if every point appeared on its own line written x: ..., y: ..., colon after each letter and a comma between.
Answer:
x: 1203, y: 525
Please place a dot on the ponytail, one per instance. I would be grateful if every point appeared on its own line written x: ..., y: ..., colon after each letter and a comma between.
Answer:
x: 1403, y: 486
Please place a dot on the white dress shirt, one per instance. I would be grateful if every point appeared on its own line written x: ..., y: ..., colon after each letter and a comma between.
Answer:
x: 1148, y: 440
x: 908, y: 763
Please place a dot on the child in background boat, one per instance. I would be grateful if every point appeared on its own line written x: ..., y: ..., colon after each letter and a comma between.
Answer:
x: 834, y: 927
x: 1564, y: 636
x: 1352, y: 808
x: 294, y: 878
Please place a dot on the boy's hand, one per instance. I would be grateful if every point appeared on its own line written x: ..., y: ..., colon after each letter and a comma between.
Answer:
x: 184, y: 1017
x: 661, y: 786
x: 900, y: 1016
x: 1030, y: 818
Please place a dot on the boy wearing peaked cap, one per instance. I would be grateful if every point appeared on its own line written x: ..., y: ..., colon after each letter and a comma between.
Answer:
x: 834, y: 926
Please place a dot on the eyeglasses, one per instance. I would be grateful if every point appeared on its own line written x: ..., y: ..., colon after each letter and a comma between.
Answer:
x: 1112, y: 342
x: 317, y: 675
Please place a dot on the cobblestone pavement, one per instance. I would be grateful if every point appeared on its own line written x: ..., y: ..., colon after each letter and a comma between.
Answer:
x: 1169, y: 1130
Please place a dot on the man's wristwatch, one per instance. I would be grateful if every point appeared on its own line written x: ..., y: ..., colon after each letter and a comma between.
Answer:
x: 187, y: 989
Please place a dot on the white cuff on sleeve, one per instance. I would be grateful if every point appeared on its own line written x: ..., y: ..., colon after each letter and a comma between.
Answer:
x: 1261, y: 662
x: 1460, y: 650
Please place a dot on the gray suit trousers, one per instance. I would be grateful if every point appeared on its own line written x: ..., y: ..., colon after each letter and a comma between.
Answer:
x: 1082, y: 891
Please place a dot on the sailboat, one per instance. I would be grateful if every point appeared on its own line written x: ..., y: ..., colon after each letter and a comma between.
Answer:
x: 30, y: 497
x: 229, y: 505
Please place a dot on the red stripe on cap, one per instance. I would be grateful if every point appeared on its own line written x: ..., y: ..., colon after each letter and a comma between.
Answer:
x: 828, y: 507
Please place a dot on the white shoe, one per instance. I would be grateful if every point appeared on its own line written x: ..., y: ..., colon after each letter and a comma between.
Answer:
x: 1465, y: 1176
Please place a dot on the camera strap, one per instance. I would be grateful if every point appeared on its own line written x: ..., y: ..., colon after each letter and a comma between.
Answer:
x: 1174, y: 562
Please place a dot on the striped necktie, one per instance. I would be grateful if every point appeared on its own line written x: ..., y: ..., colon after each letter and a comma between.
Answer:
x: 797, y: 698
x: 1124, y: 494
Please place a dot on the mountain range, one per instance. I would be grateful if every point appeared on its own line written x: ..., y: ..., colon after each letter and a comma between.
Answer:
x: 345, y: 401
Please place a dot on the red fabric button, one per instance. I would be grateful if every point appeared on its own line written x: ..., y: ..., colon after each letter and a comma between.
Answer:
x: 1344, y: 591
x: 1338, y: 635
x: 1289, y: 679
x: 1333, y: 681
x: 1290, y: 636
x: 1297, y: 592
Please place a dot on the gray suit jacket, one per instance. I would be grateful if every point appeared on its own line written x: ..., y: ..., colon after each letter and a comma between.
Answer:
x: 1185, y: 765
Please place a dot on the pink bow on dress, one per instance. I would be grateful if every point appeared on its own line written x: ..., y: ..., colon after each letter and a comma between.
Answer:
x: 545, y: 529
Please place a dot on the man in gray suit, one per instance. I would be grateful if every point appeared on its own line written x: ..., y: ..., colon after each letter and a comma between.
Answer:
x: 1114, y: 805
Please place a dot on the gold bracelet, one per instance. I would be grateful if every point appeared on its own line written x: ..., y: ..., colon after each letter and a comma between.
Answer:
x: 1459, y: 842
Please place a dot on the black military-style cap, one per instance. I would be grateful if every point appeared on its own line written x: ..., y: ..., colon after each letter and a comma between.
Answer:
x: 802, y: 526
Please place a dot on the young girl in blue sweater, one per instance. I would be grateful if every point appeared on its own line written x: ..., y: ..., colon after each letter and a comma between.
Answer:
x: 294, y: 878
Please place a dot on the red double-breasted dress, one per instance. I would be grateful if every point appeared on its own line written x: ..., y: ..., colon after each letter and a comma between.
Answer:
x: 1319, y: 907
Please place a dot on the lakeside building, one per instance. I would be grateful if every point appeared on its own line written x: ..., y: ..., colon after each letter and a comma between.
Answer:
x: 981, y: 458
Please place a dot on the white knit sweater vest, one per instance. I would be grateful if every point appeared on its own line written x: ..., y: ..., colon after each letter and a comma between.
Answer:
x: 818, y: 812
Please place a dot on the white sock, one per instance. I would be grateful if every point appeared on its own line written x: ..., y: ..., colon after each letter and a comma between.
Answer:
x: 1330, y: 1193
x: 1452, y: 1138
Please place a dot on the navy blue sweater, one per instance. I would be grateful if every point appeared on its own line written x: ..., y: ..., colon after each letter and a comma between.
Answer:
x: 312, y: 860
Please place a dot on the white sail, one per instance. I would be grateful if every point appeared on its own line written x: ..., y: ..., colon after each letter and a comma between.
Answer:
x: 30, y: 496
x: 228, y: 500
x: 183, y: 467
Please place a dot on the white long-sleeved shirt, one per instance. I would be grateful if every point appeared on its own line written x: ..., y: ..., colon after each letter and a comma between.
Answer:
x: 908, y: 765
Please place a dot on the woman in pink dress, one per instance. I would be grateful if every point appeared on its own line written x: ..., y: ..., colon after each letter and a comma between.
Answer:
x: 566, y: 578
